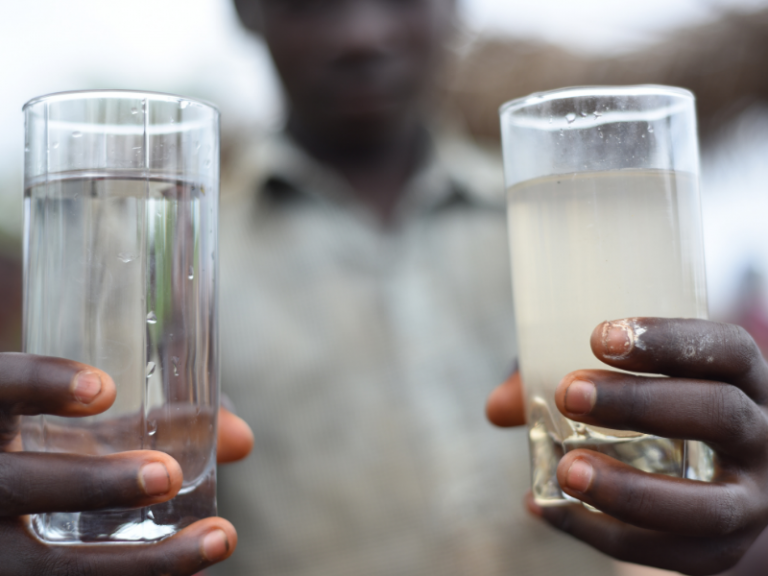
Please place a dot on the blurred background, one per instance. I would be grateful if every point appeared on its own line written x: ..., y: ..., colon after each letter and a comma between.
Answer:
x: 504, y: 49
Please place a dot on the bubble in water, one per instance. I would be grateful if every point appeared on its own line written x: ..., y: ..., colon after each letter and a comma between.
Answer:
x: 650, y: 128
x: 150, y: 369
x: 126, y: 257
x: 562, y: 133
x: 76, y: 134
x: 68, y: 526
x: 152, y: 428
x: 191, y: 273
x: 151, y: 318
x: 570, y: 117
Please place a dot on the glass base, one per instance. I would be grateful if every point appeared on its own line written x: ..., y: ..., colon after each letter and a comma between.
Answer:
x: 678, y: 458
x: 149, y: 524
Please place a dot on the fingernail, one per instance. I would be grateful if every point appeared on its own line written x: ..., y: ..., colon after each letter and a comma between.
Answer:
x: 154, y: 479
x: 215, y: 545
x: 86, y: 386
x: 579, y: 475
x: 580, y: 397
x: 617, y: 340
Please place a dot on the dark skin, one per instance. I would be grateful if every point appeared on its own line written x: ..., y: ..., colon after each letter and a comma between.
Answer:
x: 33, y: 482
x: 357, y: 84
x: 357, y: 76
x: 717, y: 393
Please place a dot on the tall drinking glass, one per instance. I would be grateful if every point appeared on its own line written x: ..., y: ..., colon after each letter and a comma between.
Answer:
x: 120, y: 240
x: 604, y: 224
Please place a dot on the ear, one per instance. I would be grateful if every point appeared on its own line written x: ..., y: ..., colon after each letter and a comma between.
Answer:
x: 249, y: 12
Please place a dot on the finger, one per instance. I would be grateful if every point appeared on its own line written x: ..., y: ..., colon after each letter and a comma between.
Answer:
x: 654, y: 501
x: 719, y: 414
x: 505, y: 406
x: 194, y: 548
x: 684, y: 347
x: 235, y: 438
x: 32, y: 385
x: 70, y: 483
x: 689, y: 555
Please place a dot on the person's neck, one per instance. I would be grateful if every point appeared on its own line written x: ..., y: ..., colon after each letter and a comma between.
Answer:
x: 378, y: 170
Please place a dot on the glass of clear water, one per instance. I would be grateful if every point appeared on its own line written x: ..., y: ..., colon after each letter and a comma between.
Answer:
x: 120, y: 258
x: 604, y: 224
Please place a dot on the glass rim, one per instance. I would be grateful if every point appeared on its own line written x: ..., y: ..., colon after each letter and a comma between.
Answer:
x: 117, y: 93
x: 596, y: 91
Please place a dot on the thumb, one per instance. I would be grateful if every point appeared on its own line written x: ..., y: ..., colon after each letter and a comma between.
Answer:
x: 505, y: 406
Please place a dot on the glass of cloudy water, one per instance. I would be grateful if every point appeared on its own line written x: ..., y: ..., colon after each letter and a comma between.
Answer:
x: 604, y: 224
x: 120, y: 240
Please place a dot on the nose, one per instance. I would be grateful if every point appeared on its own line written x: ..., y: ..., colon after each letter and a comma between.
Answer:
x: 366, y: 26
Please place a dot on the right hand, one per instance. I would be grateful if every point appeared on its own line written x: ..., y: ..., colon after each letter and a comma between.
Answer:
x: 38, y: 482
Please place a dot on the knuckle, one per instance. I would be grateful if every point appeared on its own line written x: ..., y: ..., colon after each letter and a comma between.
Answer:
x: 733, y: 413
x: 727, y: 513
x: 741, y: 347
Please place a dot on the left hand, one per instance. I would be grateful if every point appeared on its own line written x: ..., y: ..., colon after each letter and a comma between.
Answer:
x: 717, y: 392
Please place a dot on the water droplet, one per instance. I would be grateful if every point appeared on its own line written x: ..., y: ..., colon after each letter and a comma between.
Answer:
x: 583, y: 114
x: 650, y: 128
x: 562, y: 133
x: 26, y: 148
x: 55, y: 145
x: 642, y: 135
x: 67, y: 526
x: 134, y: 110
x: 151, y: 318
x: 76, y: 134
x: 183, y: 104
x: 570, y: 117
x: 150, y: 515
x: 598, y: 114
x: 580, y: 428
x: 126, y: 257
x: 191, y: 273
x: 152, y: 427
x: 150, y: 369
x: 601, y: 134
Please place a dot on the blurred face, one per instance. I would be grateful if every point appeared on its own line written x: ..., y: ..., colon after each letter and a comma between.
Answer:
x: 354, y: 68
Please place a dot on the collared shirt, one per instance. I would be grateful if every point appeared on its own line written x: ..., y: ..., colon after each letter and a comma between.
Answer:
x: 362, y: 358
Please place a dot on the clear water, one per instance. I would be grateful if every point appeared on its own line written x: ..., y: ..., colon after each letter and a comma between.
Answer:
x: 587, y: 248
x: 120, y: 274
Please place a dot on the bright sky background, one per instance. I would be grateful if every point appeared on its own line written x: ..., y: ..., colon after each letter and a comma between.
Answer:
x: 195, y: 47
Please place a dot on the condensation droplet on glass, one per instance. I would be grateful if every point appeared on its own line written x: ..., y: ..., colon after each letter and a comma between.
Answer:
x: 125, y: 257
x: 650, y: 128
x: 570, y: 117
x: 151, y: 318
x: 152, y: 428
x: 150, y: 369
x: 76, y: 134
x: 191, y: 273
x: 642, y: 135
x: 562, y: 133
x: 601, y: 134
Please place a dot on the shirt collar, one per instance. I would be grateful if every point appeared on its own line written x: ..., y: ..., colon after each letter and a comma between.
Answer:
x: 454, y: 169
